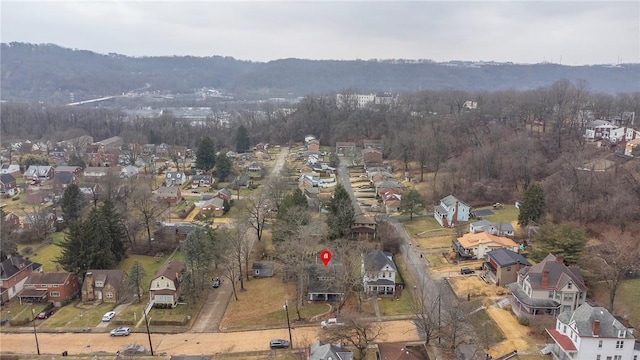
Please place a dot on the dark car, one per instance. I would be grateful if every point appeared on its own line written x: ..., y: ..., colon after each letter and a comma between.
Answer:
x: 216, y: 283
x: 278, y: 344
x: 45, y: 314
x: 466, y: 271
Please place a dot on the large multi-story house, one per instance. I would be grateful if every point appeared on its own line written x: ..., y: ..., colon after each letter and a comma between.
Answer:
x: 501, y: 266
x: 14, y: 271
x: 451, y: 211
x: 379, y: 273
x: 548, y: 287
x: 104, y: 286
x: 592, y: 333
x: 166, y: 284
x: 8, y: 187
x: 55, y: 288
x: 476, y: 245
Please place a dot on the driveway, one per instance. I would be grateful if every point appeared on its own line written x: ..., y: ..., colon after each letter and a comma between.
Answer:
x: 213, y: 309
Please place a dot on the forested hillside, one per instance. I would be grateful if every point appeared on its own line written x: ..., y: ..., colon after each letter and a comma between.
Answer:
x: 50, y: 73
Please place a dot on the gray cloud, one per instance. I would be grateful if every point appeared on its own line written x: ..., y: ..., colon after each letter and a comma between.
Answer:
x: 519, y: 31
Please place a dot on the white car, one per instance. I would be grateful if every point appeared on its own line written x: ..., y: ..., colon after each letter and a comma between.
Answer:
x: 108, y: 316
x: 329, y: 322
x: 121, y: 331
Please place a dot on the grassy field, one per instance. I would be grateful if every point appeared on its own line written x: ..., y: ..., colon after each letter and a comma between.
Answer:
x: 626, y: 302
x: 508, y: 214
x: 46, y: 254
x: 486, y: 329
x: 78, y: 315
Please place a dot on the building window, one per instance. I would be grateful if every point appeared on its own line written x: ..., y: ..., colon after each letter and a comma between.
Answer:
x: 619, y: 344
x: 599, y: 344
x: 550, y: 294
x: 617, y: 357
x: 508, y: 268
x: 568, y: 297
x: 158, y: 284
x: 167, y: 284
x: 597, y: 357
x: 564, y: 329
x: 569, y: 285
x: 109, y: 295
x: 55, y: 294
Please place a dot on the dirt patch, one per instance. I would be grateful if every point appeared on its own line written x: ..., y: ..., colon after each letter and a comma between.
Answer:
x: 516, y: 335
x: 475, y: 287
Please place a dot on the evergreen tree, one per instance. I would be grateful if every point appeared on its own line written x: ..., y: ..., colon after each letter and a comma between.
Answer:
x: 135, y: 279
x: 76, y: 160
x: 75, y: 247
x: 7, y: 241
x: 564, y: 239
x: 206, y: 154
x: 294, y: 199
x: 532, y: 207
x: 242, y: 140
x: 72, y: 203
x: 223, y: 167
x: 115, y: 229
x: 100, y: 255
x: 198, y: 256
x: 410, y: 203
x: 341, y: 214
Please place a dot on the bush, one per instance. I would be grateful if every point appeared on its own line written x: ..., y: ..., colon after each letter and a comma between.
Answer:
x: 523, y: 320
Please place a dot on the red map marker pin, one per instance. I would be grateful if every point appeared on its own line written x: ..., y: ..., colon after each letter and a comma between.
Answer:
x: 325, y: 256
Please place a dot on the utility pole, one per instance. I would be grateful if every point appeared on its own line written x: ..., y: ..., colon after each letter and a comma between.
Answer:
x: 35, y: 333
x: 146, y: 321
x: 286, y: 310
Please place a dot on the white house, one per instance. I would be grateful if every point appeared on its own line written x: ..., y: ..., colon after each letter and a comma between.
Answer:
x: 592, y: 333
x: 451, y: 211
x: 549, y: 287
x: 598, y: 129
x: 175, y: 178
x: 129, y: 172
x: 499, y: 229
x: 623, y: 134
x: 379, y: 273
x: 476, y: 245
x: 165, y: 287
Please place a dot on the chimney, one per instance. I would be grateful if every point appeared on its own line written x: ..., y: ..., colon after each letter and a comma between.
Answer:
x: 596, y: 327
x: 454, y: 220
x: 545, y: 278
x: 560, y: 259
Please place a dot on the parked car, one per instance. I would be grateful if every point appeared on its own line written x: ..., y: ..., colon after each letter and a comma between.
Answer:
x: 364, y: 186
x: 216, y: 283
x: 467, y: 271
x: 278, y: 344
x: 108, y: 316
x: 121, y: 331
x: 45, y: 314
x: 134, y: 349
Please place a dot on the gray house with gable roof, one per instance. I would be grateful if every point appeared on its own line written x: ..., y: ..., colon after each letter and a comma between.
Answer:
x: 321, y: 351
x: 379, y: 273
x: 501, y: 266
x: 451, y: 211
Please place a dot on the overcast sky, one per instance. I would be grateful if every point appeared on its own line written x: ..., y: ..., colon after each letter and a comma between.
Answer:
x: 567, y: 32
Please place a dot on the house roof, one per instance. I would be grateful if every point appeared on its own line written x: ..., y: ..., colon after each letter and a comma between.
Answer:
x: 11, y: 266
x: 524, y: 298
x: 398, y: 351
x: 321, y: 351
x: 262, y: 265
x: 170, y: 270
x: 506, y: 257
x: 450, y: 201
x: 64, y: 178
x: 318, y: 271
x: 559, y: 274
x: 364, y: 219
x: 36, y: 278
x: 482, y: 223
x: 563, y: 340
x: 376, y: 259
x: 388, y: 184
x: 584, y: 317
x: 65, y: 168
x: 112, y: 277
x: 167, y: 191
x: 474, y: 239
x: 183, y: 228
x: 7, y: 178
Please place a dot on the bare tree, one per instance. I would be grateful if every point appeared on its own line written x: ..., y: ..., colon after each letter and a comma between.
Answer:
x: 239, y: 244
x: 355, y: 332
x: 147, y: 207
x: 615, y: 258
x: 276, y: 189
x: 258, y: 211
x: 350, y: 281
x: 455, y: 328
x: 426, y: 306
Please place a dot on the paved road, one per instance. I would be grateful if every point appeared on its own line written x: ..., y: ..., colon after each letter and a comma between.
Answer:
x: 185, y: 343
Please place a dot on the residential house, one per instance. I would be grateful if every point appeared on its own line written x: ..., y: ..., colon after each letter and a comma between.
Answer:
x: 174, y: 178
x: 364, y: 228
x: 345, y: 148
x: 104, y: 286
x: 322, y: 284
x: 391, y: 199
x: 166, y: 284
x: 56, y: 288
x: 14, y: 271
x: 129, y: 172
x: 174, y: 232
x: 591, y: 332
x: 62, y: 180
x: 262, y: 269
x: 476, y: 245
x: 548, y: 287
x: 387, y: 185
x: 169, y: 194
x: 202, y: 180
x: 632, y: 148
x: 501, y: 266
x: 322, y: 351
x: 451, y: 211
x: 224, y: 194
x: 598, y: 129
x: 163, y: 150
x: 95, y: 172
x: 241, y: 181
x: 254, y: 170
x: 622, y: 134
x: 65, y: 169
x: 371, y: 158
x: 62, y: 151
x: 112, y: 143
x: 94, y: 154
x: 313, y: 145
x: 39, y: 172
x: 373, y: 144
x: 308, y: 138
x: 213, y: 206
x: 12, y: 169
x: 259, y: 147
x: 148, y: 149
x: 379, y: 273
x: 37, y: 219
x: 11, y: 220
x: 401, y: 351
x: 8, y: 186
x: 91, y: 191
x: 499, y: 229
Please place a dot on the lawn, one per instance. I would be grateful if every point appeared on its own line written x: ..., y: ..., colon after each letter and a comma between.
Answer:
x: 486, y: 329
x: 78, y: 315
x: 508, y: 214
x: 149, y: 264
x: 402, y: 306
x: 46, y: 254
x: 13, y: 310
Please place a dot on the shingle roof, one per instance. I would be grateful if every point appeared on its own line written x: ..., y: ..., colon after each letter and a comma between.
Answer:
x: 376, y: 259
x: 112, y: 277
x: 321, y: 351
x: 13, y: 265
x: 7, y: 178
x: 506, y: 257
x: 36, y: 278
x: 170, y: 270
x: 559, y: 274
x: 473, y: 239
x: 584, y: 317
x: 450, y: 201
